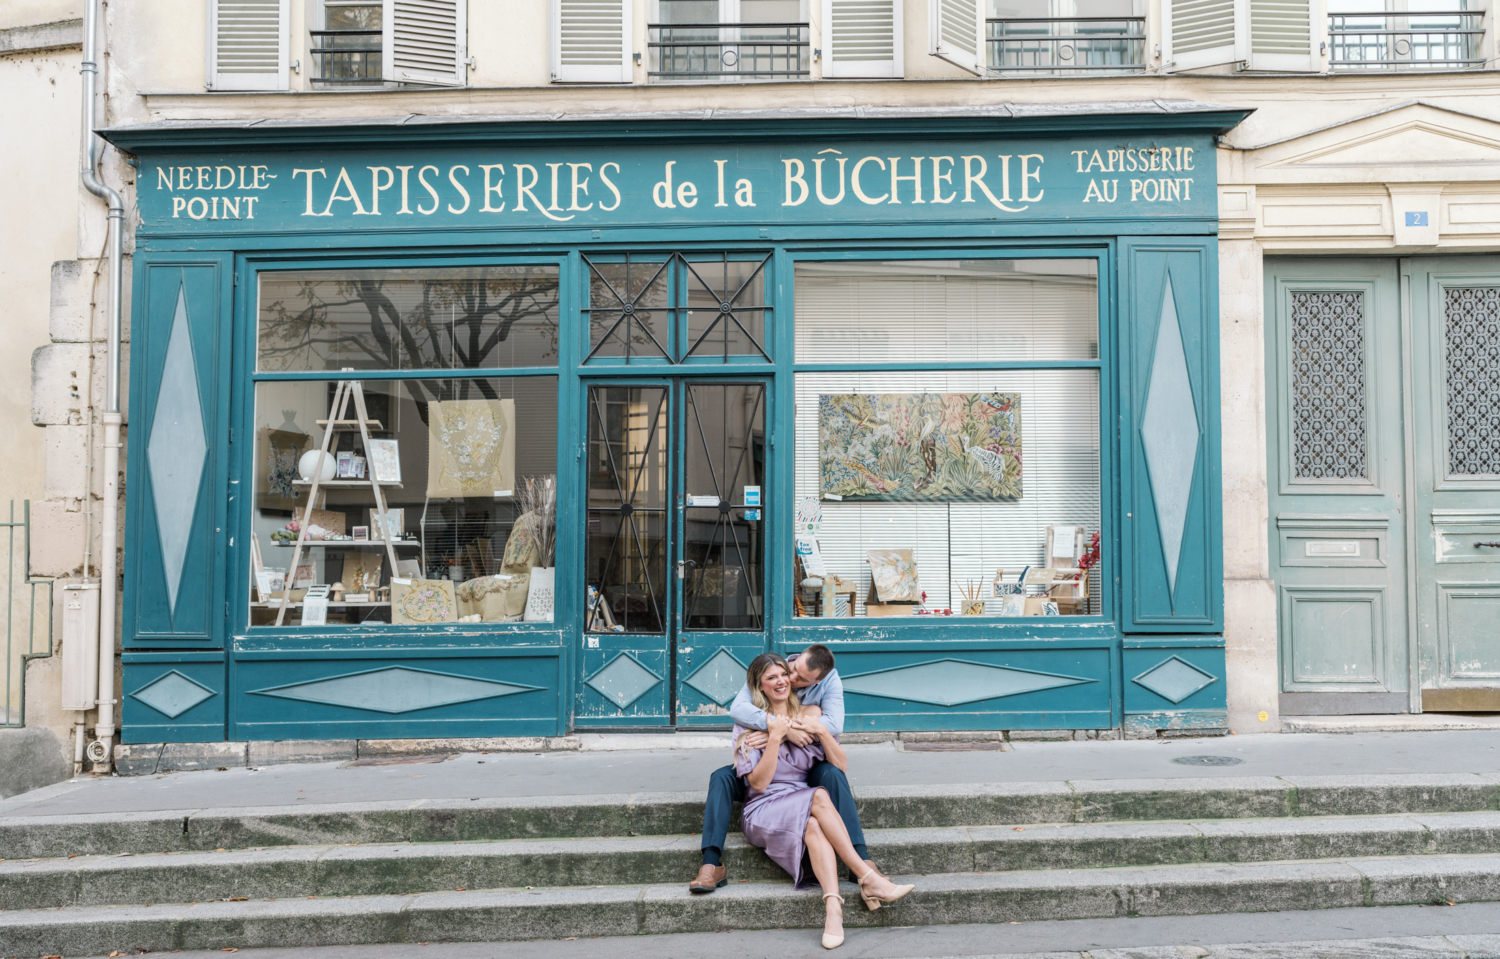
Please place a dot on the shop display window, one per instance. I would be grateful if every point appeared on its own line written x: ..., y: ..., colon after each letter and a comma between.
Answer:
x: 424, y: 500
x: 463, y: 318
x: 947, y: 492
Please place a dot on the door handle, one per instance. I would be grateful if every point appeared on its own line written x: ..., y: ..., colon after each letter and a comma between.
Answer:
x: 682, y: 566
x: 1493, y: 545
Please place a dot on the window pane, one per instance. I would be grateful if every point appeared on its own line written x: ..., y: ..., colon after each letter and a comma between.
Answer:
x: 726, y: 307
x: 947, y: 311
x: 934, y: 464
x: 452, y: 318
x: 1328, y: 385
x: 627, y: 309
x: 462, y: 449
x: 351, y: 15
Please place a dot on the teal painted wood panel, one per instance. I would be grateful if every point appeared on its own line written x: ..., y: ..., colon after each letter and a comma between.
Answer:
x: 173, y: 699
x: 398, y: 698
x: 1171, y: 540
x: 174, y: 593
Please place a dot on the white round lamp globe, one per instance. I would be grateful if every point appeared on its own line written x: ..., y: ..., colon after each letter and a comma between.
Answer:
x: 309, y: 462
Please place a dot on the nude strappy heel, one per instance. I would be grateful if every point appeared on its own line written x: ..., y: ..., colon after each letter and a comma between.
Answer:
x: 873, y: 902
x: 833, y: 942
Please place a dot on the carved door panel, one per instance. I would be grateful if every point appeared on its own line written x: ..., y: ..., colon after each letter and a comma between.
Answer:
x: 1337, y: 484
x: 1456, y: 387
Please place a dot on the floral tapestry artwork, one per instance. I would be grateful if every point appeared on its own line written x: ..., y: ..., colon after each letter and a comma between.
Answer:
x: 473, y: 448
x: 920, y: 447
x: 279, y: 452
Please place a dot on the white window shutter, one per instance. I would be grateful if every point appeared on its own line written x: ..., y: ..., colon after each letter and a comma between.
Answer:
x: 1203, y: 33
x: 1282, y: 36
x: 248, y: 44
x: 591, y: 41
x: 862, y: 38
x: 425, y: 41
x: 957, y: 33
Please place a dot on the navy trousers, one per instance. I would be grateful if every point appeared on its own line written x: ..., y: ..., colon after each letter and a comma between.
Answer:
x: 725, y: 789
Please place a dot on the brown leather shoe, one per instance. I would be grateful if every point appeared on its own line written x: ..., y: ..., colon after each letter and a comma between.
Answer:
x: 709, y: 878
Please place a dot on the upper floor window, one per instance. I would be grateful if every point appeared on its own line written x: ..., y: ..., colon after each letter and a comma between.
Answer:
x: 348, y: 48
x: 729, y: 39
x: 1065, y: 36
x: 1393, y: 35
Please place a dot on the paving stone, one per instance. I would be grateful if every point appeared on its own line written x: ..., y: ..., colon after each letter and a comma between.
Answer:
x: 180, y: 757
x: 312, y: 824
x: 137, y: 759
x: 1251, y: 840
x: 1408, y: 947
x: 1261, y: 887
x: 27, y: 837
x: 1462, y: 833
x: 302, y: 751
x: 524, y: 914
x: 198, y: 876
x: 970, y: 805
x: 1477, y: 947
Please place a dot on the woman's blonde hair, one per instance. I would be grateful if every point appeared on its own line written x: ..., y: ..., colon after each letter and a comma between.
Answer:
x: 759, y: 666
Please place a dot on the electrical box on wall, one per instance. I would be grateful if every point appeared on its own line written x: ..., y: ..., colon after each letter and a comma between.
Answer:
x: 80, y: 646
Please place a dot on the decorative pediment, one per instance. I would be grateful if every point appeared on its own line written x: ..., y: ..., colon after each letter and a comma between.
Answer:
x: 1414, y: 142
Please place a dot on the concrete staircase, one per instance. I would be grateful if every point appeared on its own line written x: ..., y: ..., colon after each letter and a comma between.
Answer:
x: 484, y: 870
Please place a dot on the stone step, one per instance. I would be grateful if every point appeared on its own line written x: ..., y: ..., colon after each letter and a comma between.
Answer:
x: 394, y: 869
x: 555, y: 913
x: 659, y: 814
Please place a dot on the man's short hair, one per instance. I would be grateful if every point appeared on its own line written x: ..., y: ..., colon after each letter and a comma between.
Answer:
x: 819, y: 657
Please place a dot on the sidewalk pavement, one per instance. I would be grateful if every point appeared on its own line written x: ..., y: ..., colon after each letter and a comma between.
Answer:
x: 598, y: 769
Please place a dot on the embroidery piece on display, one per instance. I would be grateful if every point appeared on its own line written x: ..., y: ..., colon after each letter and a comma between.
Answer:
x: 893, y: 573
x: 421, y: 601
x: 280, y: 451
x: 920, y: 447
x: 473, y: 447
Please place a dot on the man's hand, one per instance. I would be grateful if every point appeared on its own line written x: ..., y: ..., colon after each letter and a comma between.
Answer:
x: 757, y: 739
x: 797, y: 734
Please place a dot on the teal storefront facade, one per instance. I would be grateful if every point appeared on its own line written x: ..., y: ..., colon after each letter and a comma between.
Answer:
x: 663, y: 314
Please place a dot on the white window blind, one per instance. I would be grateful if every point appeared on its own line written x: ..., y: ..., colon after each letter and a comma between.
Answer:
x: 591, y: 41
x: 1202, y: 33
x: 248, y: 44
x: 862, y: 39
x: 956, y: 33
x: 425, y: 41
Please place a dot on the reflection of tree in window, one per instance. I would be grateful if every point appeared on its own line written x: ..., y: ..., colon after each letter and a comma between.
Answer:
x: 376, y: 321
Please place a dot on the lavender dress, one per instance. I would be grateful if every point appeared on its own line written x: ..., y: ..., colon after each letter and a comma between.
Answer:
x: 776, y: 820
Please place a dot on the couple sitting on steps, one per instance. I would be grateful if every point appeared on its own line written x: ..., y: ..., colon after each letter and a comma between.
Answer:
x: 789, y: 771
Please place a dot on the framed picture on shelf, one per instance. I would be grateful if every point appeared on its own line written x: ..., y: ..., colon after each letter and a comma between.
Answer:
x: 307, y: 575
x: 345, y: 465
x: 395, y: 524
x: 385, y: 460
x: 359, y: 466
x: 361, y: 534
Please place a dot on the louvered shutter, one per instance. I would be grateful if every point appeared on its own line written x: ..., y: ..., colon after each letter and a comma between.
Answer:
x: 1281, y: 36
x: 247, y: 44
x: 1203, y: 33
x: 425, y: 41
x: 957, y: 32
x: 862, y: 38
x: 591, y: 41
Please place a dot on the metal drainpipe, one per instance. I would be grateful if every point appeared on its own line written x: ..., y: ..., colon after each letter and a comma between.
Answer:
x: 101, y: 750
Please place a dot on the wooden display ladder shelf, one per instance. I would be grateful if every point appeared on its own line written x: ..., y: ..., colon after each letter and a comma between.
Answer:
x: 347, y: 390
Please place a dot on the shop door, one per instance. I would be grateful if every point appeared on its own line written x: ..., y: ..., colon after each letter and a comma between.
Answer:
x: 1337, y: 483
x: 675, y: 556
x: 1456, y: 388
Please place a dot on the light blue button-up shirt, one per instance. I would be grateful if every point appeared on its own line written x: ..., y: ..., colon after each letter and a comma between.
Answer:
x: 827, y: 694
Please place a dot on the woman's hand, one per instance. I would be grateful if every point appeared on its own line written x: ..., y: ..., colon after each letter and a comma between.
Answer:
x: 777, y: 728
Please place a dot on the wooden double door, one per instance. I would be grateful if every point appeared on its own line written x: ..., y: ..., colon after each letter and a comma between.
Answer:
x: 677, y: 511
x: 1384, y: 443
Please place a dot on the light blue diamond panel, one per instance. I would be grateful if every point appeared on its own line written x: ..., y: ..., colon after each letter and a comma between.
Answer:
x: 623, y: 681
x: 395, y: 689
x: 952, y: 682
x: 719, y: 679
x: 1175, y: 679
x: 177, y: 450
x: 172, y: 694
x: 1170, y: 432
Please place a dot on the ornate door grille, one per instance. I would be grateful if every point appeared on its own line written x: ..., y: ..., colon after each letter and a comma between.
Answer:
x: 1472, y: 327
x: 1328, y: 385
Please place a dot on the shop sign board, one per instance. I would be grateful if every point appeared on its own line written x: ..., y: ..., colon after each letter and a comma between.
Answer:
x: 577, y: 185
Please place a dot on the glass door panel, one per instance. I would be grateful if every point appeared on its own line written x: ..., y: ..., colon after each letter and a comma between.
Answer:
x: 722, y: 535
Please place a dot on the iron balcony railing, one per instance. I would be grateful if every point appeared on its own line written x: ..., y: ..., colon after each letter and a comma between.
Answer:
x: 746, y: 51
x: 346, y: 56
x: 1067, y: 44
x: 1437, y: 40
